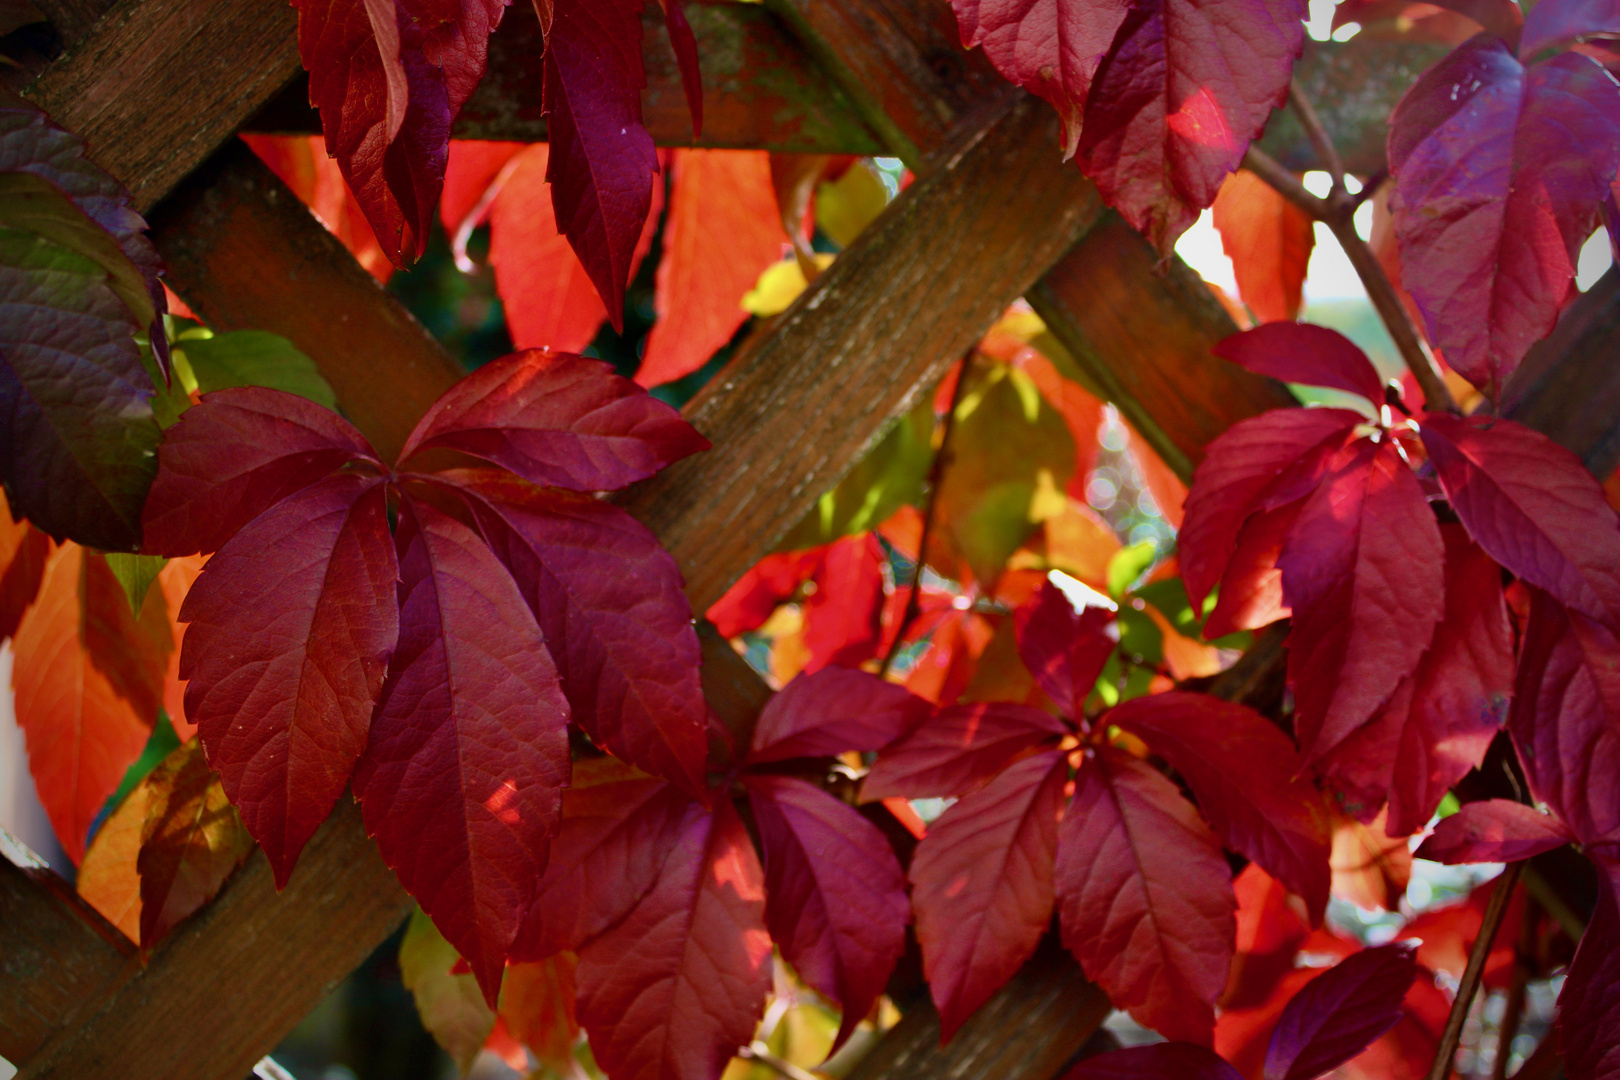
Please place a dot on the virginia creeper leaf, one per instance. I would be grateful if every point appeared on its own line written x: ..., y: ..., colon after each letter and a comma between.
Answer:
x: 1187, y: 84
x: 291, y: 627
x: 1304, y: 353
x: 235, y: 455
x: 1269, y: 241
x: 1145, y: 896
x: 537, y: 1007
x: 618, y: 825
x: 674, y: 989
x: 1063, y: 648
x: 982, y: 884
x: 1251, y: 588
x: 833, y: 711
x: 1589, y: 1005
x: 835, y: 897
x: 765, y: 587
x: 450, y: 1005
x: 468, y: 751
x: 1496, y: 830
x: 255, y: 358
x: 1559, y: 22
x: 1533, y: 507
x: 1340, y: 1012
x: 107, y: 877
x: 1371, y: 869
x: 191, y: 841
x: 958, y: 749
x: 1500, y: 171
x: 1185, y: 1061
x: 1245, y: 773
x: 843, y: 615
x: 473, y: 178
x: 1363, y: 572
x: 132, y: 650
x: 557, y: 420
x: 23, y: 551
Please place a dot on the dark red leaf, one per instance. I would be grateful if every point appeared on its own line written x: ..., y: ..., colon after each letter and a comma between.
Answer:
x: 602, y: 160
x: 1559, y: 22
x: 1187, y: 85
x: 1303, y: 353
x: 842, y: 616
x: 234, y: 455
x: 1251, y: 589
x: 608, y: 600
x: 1239, y: 469
x: 1497, y: 830
x: 673, y: 990
x: 1145, y: 896
x: 23, y: 551
x: 958, y: 749
x: 835, y: 899
x: 982, y: 884
x: 1439, y: 722
x: 1363, y: 571
x: 292, y: 624
x: 1532, y: 506
x: 833, y: 711
x: 1063, y: 648
x: 1269, y: 241
x: 1339, y: 1013
x: 1246, y: 775
x: 557, y: 420
x: 1049, y: 47
x: 1184, y: 1061
x: 618, y: 826
x: 462, y: 776
x: 1589, y: 1004
x: 1499, y: 174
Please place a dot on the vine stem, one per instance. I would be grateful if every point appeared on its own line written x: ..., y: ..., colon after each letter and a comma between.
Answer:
x: 1494, y: 911
x: 936, y: 473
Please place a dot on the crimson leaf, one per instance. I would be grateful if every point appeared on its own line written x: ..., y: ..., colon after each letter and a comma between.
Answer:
x: 1303, y: 353
x: 1589, y: 1004
x: 1185, y: 1061
x: 1063, y: 648
x: 832, y: 711
x: 1251, y: 588
x: 1497, y: 830
x: 843, y: 616
x: 1340, y: 1012
x: 958, y: 749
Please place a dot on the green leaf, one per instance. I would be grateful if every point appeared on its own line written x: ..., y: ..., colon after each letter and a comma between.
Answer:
x: 253, y: 358
x: 1170, y: 597
x: 136, y: 574
x: 452, y: 1007
x: 33, y: 204
x: 1139, y: 635
x: 1128, y: 565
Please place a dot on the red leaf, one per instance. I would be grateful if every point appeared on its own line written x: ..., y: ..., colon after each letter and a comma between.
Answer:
x: 958, y: 749
x: 602, y: 160
x: 723, y: 231
x: 1241, y: 467
x: 1532, y: 506
x: 292, y: 624
x: 537, y: 1007
x: 673, y: 990
x: 768, y: 584
x: 1371, y: 869
x: 1185, y: 1061
x: 1559, y: 22
x: 473, y: 179
x: 842, y: 617
x: 1363, y: 572
x: 1499, y: 174
x: 1497, y: 830
x: 1339, y: 1013
x: 461, y: 779
x: 80, y: 733
x: 1251, y: 589
x: 982, y: 884
x: 617, y: 828
x: 1303, y: 353
x: 1269, y: 241
x: 1063, y: 648
x: 23, y: 551
x: 835, y: 897
x: 1145, y: 896
x: 191, y: 841
x: 234, y: 455
x: 1589, y: 1004
x: 1439, y: 722
x: 1049, y: 47
x: 609, y: 603
x: 557, y: 420
x: 1246, y: 776
x: 833, y: 711
x: 1187, y: 84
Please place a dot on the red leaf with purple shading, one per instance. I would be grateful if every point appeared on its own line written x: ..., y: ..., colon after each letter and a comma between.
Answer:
x: 468, y: 754
x: 1532, y: 506
x: 233, y: 456
x: 1187, y: 84
x: 557, y: 420
x: 982, y: 884
x: 1145, y: 896
x: 1496, y: 830
x: 1363, y: 572
x: 1500, y: 171
x: 1251, y: 589
x: 1303, y: 353
x: 1589, y: 1004
x: 1557, y: 23
x: 833, y: 711
x: 1245, y: 774
x: 292, y: 625
x: 1240, y: 469
x: 958, y: 749
x: 675, y: 988
x: 1184, y: 1061
x: 1063, y: 648
x: 1340, y: 1012
x: 835, y: 897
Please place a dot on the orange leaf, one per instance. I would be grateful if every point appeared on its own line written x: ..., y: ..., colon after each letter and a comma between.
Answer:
x: 1269, y: 241
x: 1370, y: 870
x: 108, y: 879
x: 537, y: 1007
x: 23, y: 551
x: 303, y: 165
x: 472, y: 170
x: 175, y: 580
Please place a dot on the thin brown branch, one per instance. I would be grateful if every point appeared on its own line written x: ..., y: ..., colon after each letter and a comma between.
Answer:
x: 1321, y: 141
x: 1494, y: 910
x: 1285, y: 183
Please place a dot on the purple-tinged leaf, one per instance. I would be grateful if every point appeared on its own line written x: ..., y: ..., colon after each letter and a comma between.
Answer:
x: 1304, y: 353
x: 1063, y: 648
x: 1181, y: 1060
x: 833, y: 711
x: 1340, y: 1012
x: 1589, y: 1004
x: 1497, y: 830
x: 958, y: 749
x: 1556, y: 23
